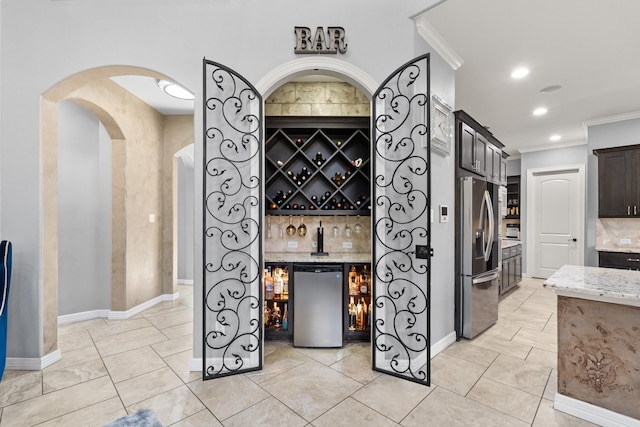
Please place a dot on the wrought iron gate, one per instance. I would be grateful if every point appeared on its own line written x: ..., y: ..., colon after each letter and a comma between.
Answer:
x: 232, y: 208
x: 401, y: 223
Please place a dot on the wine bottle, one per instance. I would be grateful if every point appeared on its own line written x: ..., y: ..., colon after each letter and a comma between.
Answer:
x: 299, y: 142
x: 359, y: 318
x: 352, y: 314
x: 285, y: 286
x: 277, y: 318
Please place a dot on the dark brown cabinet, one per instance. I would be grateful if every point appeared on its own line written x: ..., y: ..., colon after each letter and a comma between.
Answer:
x: 317, y: 165
x: 619, y: 260
x: 618, y: 176
x: 511, y: 268
x: 478, y: 151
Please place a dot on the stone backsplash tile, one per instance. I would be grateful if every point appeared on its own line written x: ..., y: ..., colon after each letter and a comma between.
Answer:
x: 277, y: 240
x: 613, y: 233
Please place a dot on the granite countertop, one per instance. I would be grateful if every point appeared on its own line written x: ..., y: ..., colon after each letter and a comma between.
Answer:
x: 622, y: 250
x: 337, y: 257
x: 598, y: 284
x: 507, y: 243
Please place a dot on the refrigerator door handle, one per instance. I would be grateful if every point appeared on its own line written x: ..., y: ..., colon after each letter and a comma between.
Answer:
x: 485, y: 278
x: 486, y: 202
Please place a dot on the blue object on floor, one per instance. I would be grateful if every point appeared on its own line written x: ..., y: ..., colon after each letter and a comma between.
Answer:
x: 5, y: 276
x: 142, y: 418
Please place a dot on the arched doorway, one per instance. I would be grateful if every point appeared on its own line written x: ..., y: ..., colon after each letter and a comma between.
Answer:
x: 142, y: 237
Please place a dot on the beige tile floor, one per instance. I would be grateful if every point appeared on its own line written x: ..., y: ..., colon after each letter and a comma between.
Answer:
x: 504, y: 377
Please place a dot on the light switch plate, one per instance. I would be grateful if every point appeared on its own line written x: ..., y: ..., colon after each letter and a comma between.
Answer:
x: 347, y: 245
x: 625, y: 241
x: 292, y: 244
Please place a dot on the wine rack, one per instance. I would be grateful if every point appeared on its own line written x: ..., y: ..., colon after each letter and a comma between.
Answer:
x: 357, y: 304
x: 317, y: 166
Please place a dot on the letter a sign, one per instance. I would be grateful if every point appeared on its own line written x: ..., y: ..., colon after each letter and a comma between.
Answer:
x: 332, y: 42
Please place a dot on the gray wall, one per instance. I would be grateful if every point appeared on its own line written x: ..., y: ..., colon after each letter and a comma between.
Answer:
x: 84, y: 212
x: 253, y: 37
x: 513, y: 167
x: 547, y: 158
x: 186, y: 202
x: 615, y: 134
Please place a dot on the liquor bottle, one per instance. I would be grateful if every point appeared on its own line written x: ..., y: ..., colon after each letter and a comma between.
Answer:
x: 285, y: 285
x: 359, y: 318
x: 267, y: 315
x: 365, y: 314
x: 277, y: 318
x: 277, y: 285
x: 352, y: 315
x: 268, y: 284
x: 364, y: 282
x: 353, y: 281
x: 285, y: 318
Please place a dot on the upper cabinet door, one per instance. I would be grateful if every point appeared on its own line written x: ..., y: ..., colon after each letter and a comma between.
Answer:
x: 618, y: 189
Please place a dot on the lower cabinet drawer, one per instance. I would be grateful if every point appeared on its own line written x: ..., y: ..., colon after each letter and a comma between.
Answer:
x: 622, y: 260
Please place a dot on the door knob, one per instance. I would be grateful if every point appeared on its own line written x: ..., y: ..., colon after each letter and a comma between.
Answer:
x: 574, y: 239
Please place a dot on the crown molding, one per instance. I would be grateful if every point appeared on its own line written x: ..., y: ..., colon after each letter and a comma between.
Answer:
x: 610, y: 119
x: 437, y: 42
x: 551, y: 147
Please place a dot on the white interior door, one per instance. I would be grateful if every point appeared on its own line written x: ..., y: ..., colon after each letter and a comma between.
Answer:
x: 400, y: 217
x: 556, y: 216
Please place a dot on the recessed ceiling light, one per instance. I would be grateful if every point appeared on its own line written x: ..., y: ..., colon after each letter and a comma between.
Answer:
x: 540, y: 111
x: 519, y: 73
x: 175, y: 90
x: 554, y: 138
x: 551, y: 88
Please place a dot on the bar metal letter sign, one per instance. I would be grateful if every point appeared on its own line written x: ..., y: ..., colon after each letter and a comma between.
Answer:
x: 332, y: 42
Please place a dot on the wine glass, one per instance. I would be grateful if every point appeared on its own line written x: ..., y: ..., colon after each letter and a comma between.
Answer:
x: 269, y: 233
x: 357, y: 228
x: 280, y: 228
x: 347, y: 229
x: 291, y: 229
x: 336, y: 229
x: 302, y: 229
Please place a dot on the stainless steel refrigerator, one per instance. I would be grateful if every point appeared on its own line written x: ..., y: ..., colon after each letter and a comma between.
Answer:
x: 478, y: 255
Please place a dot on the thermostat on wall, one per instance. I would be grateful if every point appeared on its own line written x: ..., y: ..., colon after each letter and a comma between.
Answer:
x: 444, y: 213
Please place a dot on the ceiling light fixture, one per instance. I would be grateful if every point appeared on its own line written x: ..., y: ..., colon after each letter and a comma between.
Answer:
x: 540, y: 111
x: 519, y: 73
x: 175, y: 90
x: 554, y: 138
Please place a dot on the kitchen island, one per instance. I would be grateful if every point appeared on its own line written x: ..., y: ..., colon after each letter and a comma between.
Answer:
x: 598, y: 344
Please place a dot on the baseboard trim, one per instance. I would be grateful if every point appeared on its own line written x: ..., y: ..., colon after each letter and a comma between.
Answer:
x: 438, y: 347
x: 115, y: 315
x: 593, y: 413
x: 84, y: 315
x: 32, y: 363
x: 188, y: 282
x: 123, y: 315
x: 441, y: 345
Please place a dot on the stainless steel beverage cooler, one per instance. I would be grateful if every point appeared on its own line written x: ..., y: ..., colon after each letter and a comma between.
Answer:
x: 318, y: 305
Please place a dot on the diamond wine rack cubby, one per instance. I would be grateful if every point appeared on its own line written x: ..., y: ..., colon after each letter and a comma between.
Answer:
x: 318, y: 166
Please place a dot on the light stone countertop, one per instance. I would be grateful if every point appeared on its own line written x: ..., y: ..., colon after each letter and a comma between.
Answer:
x: 622, y: 250
x: 597, y: 284
x: 507, y: 243
x: 300, y: 257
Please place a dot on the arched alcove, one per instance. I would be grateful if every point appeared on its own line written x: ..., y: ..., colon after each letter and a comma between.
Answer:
x: 141, y: 225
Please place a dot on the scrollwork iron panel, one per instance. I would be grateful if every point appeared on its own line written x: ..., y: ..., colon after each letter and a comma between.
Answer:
x: 401, y: 224
x: 232, y: 207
